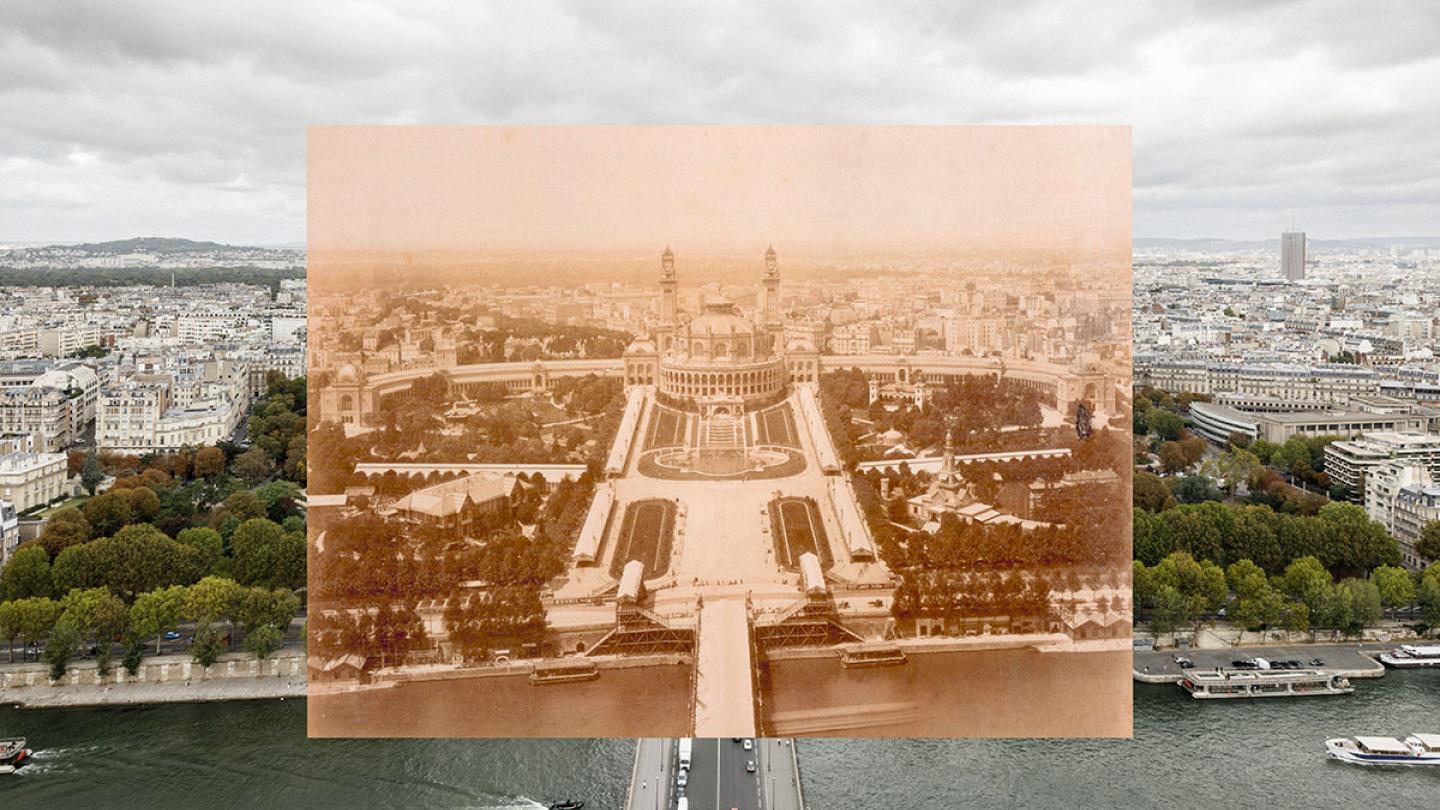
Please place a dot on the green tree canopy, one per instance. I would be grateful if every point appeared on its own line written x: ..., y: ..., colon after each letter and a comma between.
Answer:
x: 144, y: 503
x: 265, y: 554
x: 1395, y: 585
x: 90, y: 473
x: 27, y: 574
x: 207, y: 541
x: 1150, y: 492
x: 157, y: 612
x: 1195, y: 489
x: 76, y: 567
x: 1165, y: 424
x: 209, y: 462
x: 1428, y: 546
x: 1365, y: 602
x: 1307, y: 581
x: 211, y: 599
x: 253, y: 466
x: 1360, y: 543
x: 37, y: 615
x: 141, y: 558
x: 10, y: 625
x: 64, y: 528
x: 108, y: 513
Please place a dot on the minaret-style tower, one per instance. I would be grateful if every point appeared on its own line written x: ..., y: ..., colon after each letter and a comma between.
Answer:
x: 668, y: 317
x: 949, y: 477
x: 773, y: 325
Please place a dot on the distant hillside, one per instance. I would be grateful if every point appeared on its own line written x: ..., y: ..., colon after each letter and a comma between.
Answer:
x: 152, y: 244
x: 1381, y: 242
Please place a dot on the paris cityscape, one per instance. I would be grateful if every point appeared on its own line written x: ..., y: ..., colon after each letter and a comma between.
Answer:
x: 642, y: 406
x: 1375, y: 404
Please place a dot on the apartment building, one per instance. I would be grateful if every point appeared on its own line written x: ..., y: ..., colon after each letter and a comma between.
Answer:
x: 1404, y: 498
x: 1350, y: 462
x: 28, y: 479
x: 9, y: 531
x: 1333, y: 384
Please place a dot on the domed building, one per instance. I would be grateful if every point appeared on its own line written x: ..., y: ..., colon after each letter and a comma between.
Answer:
x: 345, y: 398
x: 720, y: 361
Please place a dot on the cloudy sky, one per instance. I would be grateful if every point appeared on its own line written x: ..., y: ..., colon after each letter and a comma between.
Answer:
x: 160, y: 119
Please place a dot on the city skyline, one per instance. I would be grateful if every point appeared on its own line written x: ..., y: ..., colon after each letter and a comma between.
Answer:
x: 1335, y: 138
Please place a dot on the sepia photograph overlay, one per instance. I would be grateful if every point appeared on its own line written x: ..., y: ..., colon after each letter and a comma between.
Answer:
x: 719, y: 431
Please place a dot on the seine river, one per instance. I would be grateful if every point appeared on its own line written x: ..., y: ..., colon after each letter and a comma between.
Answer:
x: 1185, y: 753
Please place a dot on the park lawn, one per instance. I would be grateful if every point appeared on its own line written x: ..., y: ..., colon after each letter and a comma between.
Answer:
x: 49, y: 510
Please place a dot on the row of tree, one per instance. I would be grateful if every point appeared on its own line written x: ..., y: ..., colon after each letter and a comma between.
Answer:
x: 1180, y: 591
x: 100, y: 618
x: 139, y: 558
x: 1341, y: 536
x: 952, y: 595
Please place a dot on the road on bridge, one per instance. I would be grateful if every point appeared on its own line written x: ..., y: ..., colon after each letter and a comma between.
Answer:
x: 718, y: 779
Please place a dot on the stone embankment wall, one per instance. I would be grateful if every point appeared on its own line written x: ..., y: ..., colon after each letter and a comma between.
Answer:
x: 164, y: 679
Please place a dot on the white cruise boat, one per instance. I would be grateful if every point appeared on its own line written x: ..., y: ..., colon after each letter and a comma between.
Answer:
x: 1219, y: 684
x: 1411, y: 656
x: 1417, y: 749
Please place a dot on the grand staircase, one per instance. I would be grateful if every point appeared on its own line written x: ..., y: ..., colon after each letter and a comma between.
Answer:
x: 721, y: 432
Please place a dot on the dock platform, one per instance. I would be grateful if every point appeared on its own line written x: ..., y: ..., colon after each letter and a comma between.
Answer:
x: 1350, y: 660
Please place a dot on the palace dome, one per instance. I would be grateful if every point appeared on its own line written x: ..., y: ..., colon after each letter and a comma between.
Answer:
x: 641, y: 346
x: 347, y: 375
x: 720, y: 319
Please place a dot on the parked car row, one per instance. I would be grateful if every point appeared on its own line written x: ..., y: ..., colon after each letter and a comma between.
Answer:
x: 1263, y: 663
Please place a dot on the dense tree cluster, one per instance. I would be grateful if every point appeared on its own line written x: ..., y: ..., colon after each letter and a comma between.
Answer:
x: 146, y: 276
x: 97, y: 617
x: 954, y: 595
x: 966, y: 569
x: 489, y: 578
x: 1180, y: 591
x: 175, y: 523
x: 525, y: 339
x: 1341, y: 536
x: 975, y: 408
x: 574, y: 423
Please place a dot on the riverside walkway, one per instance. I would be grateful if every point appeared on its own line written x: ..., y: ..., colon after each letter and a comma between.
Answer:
x: 720, y: 776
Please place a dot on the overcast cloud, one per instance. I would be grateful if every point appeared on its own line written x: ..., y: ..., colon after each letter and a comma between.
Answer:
x: 166, y: 119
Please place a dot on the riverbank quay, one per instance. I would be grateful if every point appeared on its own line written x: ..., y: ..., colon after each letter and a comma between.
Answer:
x: 1351, y: 660
x: 162, y: 679
x: 1224, y: 636
x: 450, y: 672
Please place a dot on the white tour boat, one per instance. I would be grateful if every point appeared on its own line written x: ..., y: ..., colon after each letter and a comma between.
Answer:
x: 1220, y: 683
x: 1417, y: 749
x: 1410, y: 656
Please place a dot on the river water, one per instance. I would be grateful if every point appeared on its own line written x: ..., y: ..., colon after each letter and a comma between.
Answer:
x: 1185, y: 752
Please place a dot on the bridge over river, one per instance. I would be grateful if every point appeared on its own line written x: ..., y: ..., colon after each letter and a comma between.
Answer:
x: 718, y: 777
